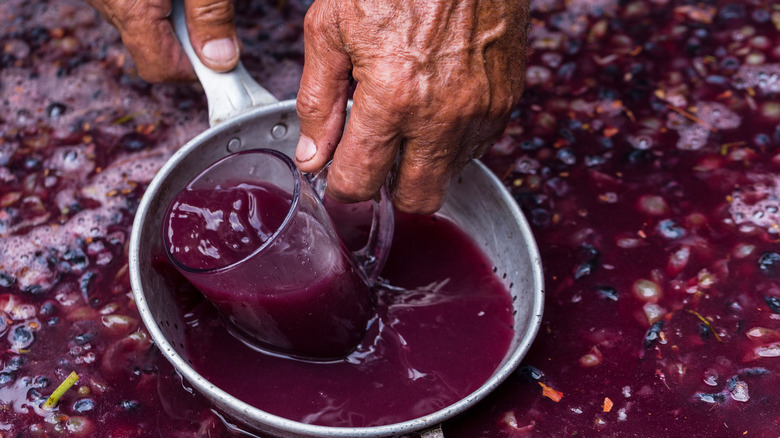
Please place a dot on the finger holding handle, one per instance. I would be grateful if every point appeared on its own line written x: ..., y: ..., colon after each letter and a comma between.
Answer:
x: 373, y: 255
x: 151, y: 41
x: 228, y: 93
x: 211, y: 25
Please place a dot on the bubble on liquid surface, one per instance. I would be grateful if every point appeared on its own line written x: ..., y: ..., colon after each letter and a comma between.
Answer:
x: 75, y: 162
x: 641, y: 142
x: 757, y: 205
x: 526, y: 165
x: 17, y: 252
x: 738, y: 390
x: 709, y: 117
x: 765, y: 77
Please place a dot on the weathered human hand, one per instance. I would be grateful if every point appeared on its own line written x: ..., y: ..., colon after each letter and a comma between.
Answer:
x: 148, y: 35
x: 436, y: 82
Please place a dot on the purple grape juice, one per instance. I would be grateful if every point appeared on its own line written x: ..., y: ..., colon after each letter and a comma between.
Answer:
x: 438, y: 333
x: 212, y: 228
x: 267, y: 265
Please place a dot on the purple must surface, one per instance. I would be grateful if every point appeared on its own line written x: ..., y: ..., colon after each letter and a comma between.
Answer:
x: 644, y: 153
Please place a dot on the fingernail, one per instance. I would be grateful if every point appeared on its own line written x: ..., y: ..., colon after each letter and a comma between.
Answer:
x: 220, y: 51
x: 305, y: 150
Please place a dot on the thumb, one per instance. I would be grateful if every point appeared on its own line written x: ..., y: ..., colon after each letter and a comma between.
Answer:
x: 213, y: 32
x: 148, y: 36
x: 322, y: 98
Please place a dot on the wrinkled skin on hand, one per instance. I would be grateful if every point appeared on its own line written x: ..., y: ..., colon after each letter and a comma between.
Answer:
x: 436, y: 82
x: 148, y: 35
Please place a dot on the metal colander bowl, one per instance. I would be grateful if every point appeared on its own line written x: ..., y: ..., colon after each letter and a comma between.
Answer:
x: 243, y: 115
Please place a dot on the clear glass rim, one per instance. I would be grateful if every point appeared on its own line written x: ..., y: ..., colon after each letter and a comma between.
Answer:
x: 296, y: 194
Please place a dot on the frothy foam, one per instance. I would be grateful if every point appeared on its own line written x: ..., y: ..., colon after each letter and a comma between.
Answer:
x: 757, y: 206
x: 765, y: 78
x: 25, y: 257
x: 711, y: 116
x: 105, y: 112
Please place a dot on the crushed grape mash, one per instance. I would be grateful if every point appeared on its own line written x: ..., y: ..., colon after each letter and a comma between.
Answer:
x: 645, y: 154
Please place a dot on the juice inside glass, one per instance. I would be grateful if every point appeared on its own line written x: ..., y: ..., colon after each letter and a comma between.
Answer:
x: 252, y: 235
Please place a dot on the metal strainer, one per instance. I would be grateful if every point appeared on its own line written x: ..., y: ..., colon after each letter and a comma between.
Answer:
x: 243, y: 115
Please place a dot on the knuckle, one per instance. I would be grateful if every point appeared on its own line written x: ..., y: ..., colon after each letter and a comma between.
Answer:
x: 469, y: 101
x: 348, y: 190
x: 480, y: 102
x: 421, y: 187
x: 315, y: 20
x: 132, y: 17
x: 418, y: 205
x: 214, y: 12
x: 308, y: 105
x: 355, y: 178
x: 349, y: 193
x: 312, y: 18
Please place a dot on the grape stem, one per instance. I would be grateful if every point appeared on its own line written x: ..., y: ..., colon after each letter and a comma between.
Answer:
x: 60, y: 391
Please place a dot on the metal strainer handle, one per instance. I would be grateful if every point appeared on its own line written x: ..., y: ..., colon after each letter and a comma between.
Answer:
x: 229, y: 94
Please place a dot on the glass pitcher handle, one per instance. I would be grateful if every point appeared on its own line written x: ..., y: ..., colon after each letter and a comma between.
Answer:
x: 373, y: 255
